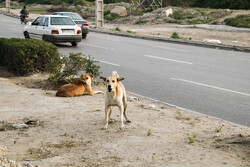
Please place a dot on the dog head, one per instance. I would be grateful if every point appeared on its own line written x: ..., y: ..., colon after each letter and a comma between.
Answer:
x: 112, y: 81
x: 86, y: 78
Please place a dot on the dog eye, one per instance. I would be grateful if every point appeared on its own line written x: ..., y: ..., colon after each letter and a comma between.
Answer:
x: 87, y: 78
x: 107, y: 80
x: 113, y: 81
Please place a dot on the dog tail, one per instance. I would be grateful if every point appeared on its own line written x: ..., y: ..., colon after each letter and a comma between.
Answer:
x: 115, y: 74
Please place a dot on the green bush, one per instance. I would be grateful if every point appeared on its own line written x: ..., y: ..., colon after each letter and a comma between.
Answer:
x: 22, y: 56
x: 70, y: 66
x: 239, y: 21
x: 175, y: 35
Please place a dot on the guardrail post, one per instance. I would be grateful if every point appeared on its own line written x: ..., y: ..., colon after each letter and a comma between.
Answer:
x: 99, y: 14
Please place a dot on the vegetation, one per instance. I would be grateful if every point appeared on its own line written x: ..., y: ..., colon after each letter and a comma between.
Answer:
x: 191, y: 138
x: 175, y: 35
x: 70, y: 67
x: 140, y: 21
x: 239, y: 21
x: 23, y: 56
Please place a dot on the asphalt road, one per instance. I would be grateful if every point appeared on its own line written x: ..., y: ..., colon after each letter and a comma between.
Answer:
x: 210, y: 81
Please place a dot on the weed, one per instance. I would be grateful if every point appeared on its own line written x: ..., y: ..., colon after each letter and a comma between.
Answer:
x: 218, y: 130
x: 191, y: 138
x: 175, y: 35
x: 140, y: 21
x: 239, y: 21
x: 118, y: 29
x: 131, y: 32
x: 149, y: 133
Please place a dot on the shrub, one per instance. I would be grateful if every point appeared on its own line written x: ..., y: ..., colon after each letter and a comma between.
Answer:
x: 239, y: 21
x: 175, y: 35
x: 22, y: 56
x: 70, y: 66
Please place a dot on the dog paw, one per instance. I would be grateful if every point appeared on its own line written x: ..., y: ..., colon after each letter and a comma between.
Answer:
x: 111, y: 121
x: 128, y: 121
x: 121, y: 127
x: 104, y: 128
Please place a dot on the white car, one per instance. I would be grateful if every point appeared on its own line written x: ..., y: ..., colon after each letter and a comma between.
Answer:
x: 55, y: 29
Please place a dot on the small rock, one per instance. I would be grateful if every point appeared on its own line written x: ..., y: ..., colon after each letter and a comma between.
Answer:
x: 167, y: 12
x: 118, y: 10
x: 32, y: 122
x: 20, y: 126
x: 133, y: 99
x: 212, y: 40
x: 152, y: 106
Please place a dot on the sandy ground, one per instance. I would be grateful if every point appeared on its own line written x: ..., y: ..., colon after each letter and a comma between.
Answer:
x: 67, y: 131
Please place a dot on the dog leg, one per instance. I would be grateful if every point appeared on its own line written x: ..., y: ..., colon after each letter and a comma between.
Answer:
x: 125, y: 108
x: 107, y: 110
x: 110, y: 119
x: 121, y: 115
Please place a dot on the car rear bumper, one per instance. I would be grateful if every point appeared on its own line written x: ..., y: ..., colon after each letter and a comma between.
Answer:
x: 62, y: 38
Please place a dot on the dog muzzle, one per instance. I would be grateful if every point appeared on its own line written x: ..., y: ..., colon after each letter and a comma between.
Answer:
x: 109, y: 88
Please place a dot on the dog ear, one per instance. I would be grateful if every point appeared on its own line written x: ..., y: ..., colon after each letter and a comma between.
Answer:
x: 104, y: 78
x: 120, y: 79
x: 91, y: 75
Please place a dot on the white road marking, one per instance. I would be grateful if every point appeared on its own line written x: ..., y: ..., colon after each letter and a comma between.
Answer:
x: 210, y: 86
x: 101, y: 47
x: 167, y: 48
x: 105, y: 62
x: 173, y: 60
x: 243, y: 59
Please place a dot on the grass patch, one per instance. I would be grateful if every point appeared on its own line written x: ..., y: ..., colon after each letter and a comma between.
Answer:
x: 140, y: 21
x: 239, y: 21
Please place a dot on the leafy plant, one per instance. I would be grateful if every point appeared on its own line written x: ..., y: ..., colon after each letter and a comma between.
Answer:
x: 70, y: 67
x: 239, y: 21
x: 191, y: 138
x: 149, y: 133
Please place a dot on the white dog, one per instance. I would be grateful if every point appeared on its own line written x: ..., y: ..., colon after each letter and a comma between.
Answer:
x: 115, y: 96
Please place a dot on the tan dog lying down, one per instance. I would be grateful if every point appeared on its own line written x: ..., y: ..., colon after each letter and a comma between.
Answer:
x: 115, y: 96
x: 80, y: 87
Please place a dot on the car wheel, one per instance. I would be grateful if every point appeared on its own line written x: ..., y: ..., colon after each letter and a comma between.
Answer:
x: 26, y: 35
x: 74, y: 43
x: 84, y: 36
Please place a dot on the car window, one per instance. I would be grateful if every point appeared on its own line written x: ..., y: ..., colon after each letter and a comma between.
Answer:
x: 74, y: 16
x: 46, y: 22
x: 41, y: 23
x: 37, y: 21
x: 61, y: 21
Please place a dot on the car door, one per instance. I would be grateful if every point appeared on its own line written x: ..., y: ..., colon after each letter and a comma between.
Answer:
x: 43, y: 27
x: 33, y: 28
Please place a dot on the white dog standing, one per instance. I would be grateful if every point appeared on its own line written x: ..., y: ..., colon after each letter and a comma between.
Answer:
x: 115, y: 96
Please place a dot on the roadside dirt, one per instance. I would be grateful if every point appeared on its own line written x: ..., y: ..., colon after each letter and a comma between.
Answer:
x: 67, y: 131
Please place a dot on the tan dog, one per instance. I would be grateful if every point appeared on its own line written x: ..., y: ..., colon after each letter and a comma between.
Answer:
x: 115, y: 96
x: 80, y: 87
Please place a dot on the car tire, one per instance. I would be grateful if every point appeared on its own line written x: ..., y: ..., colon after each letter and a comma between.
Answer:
x: 74, y: 43
x: 26, y: 35
x: 84, y: 36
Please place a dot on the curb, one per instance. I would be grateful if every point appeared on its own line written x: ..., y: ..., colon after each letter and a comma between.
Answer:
x: 177, y: 41
x: 162, y: 39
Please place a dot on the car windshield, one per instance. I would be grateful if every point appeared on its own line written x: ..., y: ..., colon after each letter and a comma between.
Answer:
x: 74, y: 16
x: 61, y: 21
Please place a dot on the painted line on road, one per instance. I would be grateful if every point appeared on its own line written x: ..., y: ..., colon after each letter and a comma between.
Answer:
x: 173, y: 60
x: 243, y: 59
x: 167, y: 48
x: 105, y: 62
x: 211, y: 86
x: 96, y: 46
